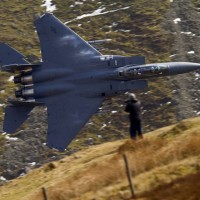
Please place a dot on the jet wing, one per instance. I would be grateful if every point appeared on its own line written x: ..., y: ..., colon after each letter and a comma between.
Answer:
x: 66, y: 116
x: 60, y: 45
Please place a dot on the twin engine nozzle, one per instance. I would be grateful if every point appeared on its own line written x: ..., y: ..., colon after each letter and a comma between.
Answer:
x: 25, y: 92
x: 26, y: 79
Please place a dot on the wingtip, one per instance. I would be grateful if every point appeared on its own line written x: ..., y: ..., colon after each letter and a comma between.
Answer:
x: 59, y: 148
x: 39, y: 16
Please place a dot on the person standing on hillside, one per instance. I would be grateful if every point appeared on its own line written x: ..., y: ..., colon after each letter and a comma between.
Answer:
x: 133, y: 107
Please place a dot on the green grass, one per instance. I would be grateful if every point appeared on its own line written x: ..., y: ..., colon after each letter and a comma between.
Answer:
x: 196, y: 3
x: 2, y: 143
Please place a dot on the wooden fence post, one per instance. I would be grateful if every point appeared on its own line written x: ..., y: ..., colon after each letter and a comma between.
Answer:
x: 129, y: 175
x: 45, y: 193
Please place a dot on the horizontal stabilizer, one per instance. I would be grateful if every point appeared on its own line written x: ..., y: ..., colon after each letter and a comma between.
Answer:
x: 9, y: 56
x: 15, y: 115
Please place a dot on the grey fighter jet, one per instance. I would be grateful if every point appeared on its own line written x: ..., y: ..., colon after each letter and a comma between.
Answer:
x: 72, y: 80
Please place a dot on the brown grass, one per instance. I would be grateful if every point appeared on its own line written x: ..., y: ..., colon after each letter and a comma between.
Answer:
x: 156, y: 160
x: 144, y: 155
x: 147, y: 154
x: 185, y: 188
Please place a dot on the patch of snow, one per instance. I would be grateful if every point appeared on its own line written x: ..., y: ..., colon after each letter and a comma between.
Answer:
x: 49, y: 6
x: 78, y: 3
x: 125, y: 31
x: 197, y: 74
x: 174, y: 91
x: 168, y: 103
x: 114, y: 24
x: 32, y: 164
x: 2, y: 178
x: 104, y: 125
x: 188, y: 33
x: 90, y: 123
x: 190, y: 52
x: 22, y: 174
x: 11, y: 79
x: 171, y: 56
x: 177, y: 20
x: 99, y: 136
x: 171, y: 1
x: 11, y: 138
x: 100, y: 108
x: 2, y: 91
x: 2, y: 104
x: 146, y: 93
x: 114, y: 111
x: 198, y: 113
x: 96, y: 13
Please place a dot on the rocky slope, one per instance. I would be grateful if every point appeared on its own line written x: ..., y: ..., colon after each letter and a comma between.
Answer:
x: 182, y: 21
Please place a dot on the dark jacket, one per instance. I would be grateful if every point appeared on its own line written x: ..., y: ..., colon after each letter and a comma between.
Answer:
x: 134, y: 108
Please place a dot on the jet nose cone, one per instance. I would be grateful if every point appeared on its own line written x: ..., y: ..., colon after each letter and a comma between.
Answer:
x: 182, y: 67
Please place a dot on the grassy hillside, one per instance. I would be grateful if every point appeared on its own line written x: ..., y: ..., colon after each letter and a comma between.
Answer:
x: 164, y: 165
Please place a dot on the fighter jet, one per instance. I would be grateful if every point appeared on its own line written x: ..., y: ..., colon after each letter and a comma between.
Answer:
x: 72, y: 80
